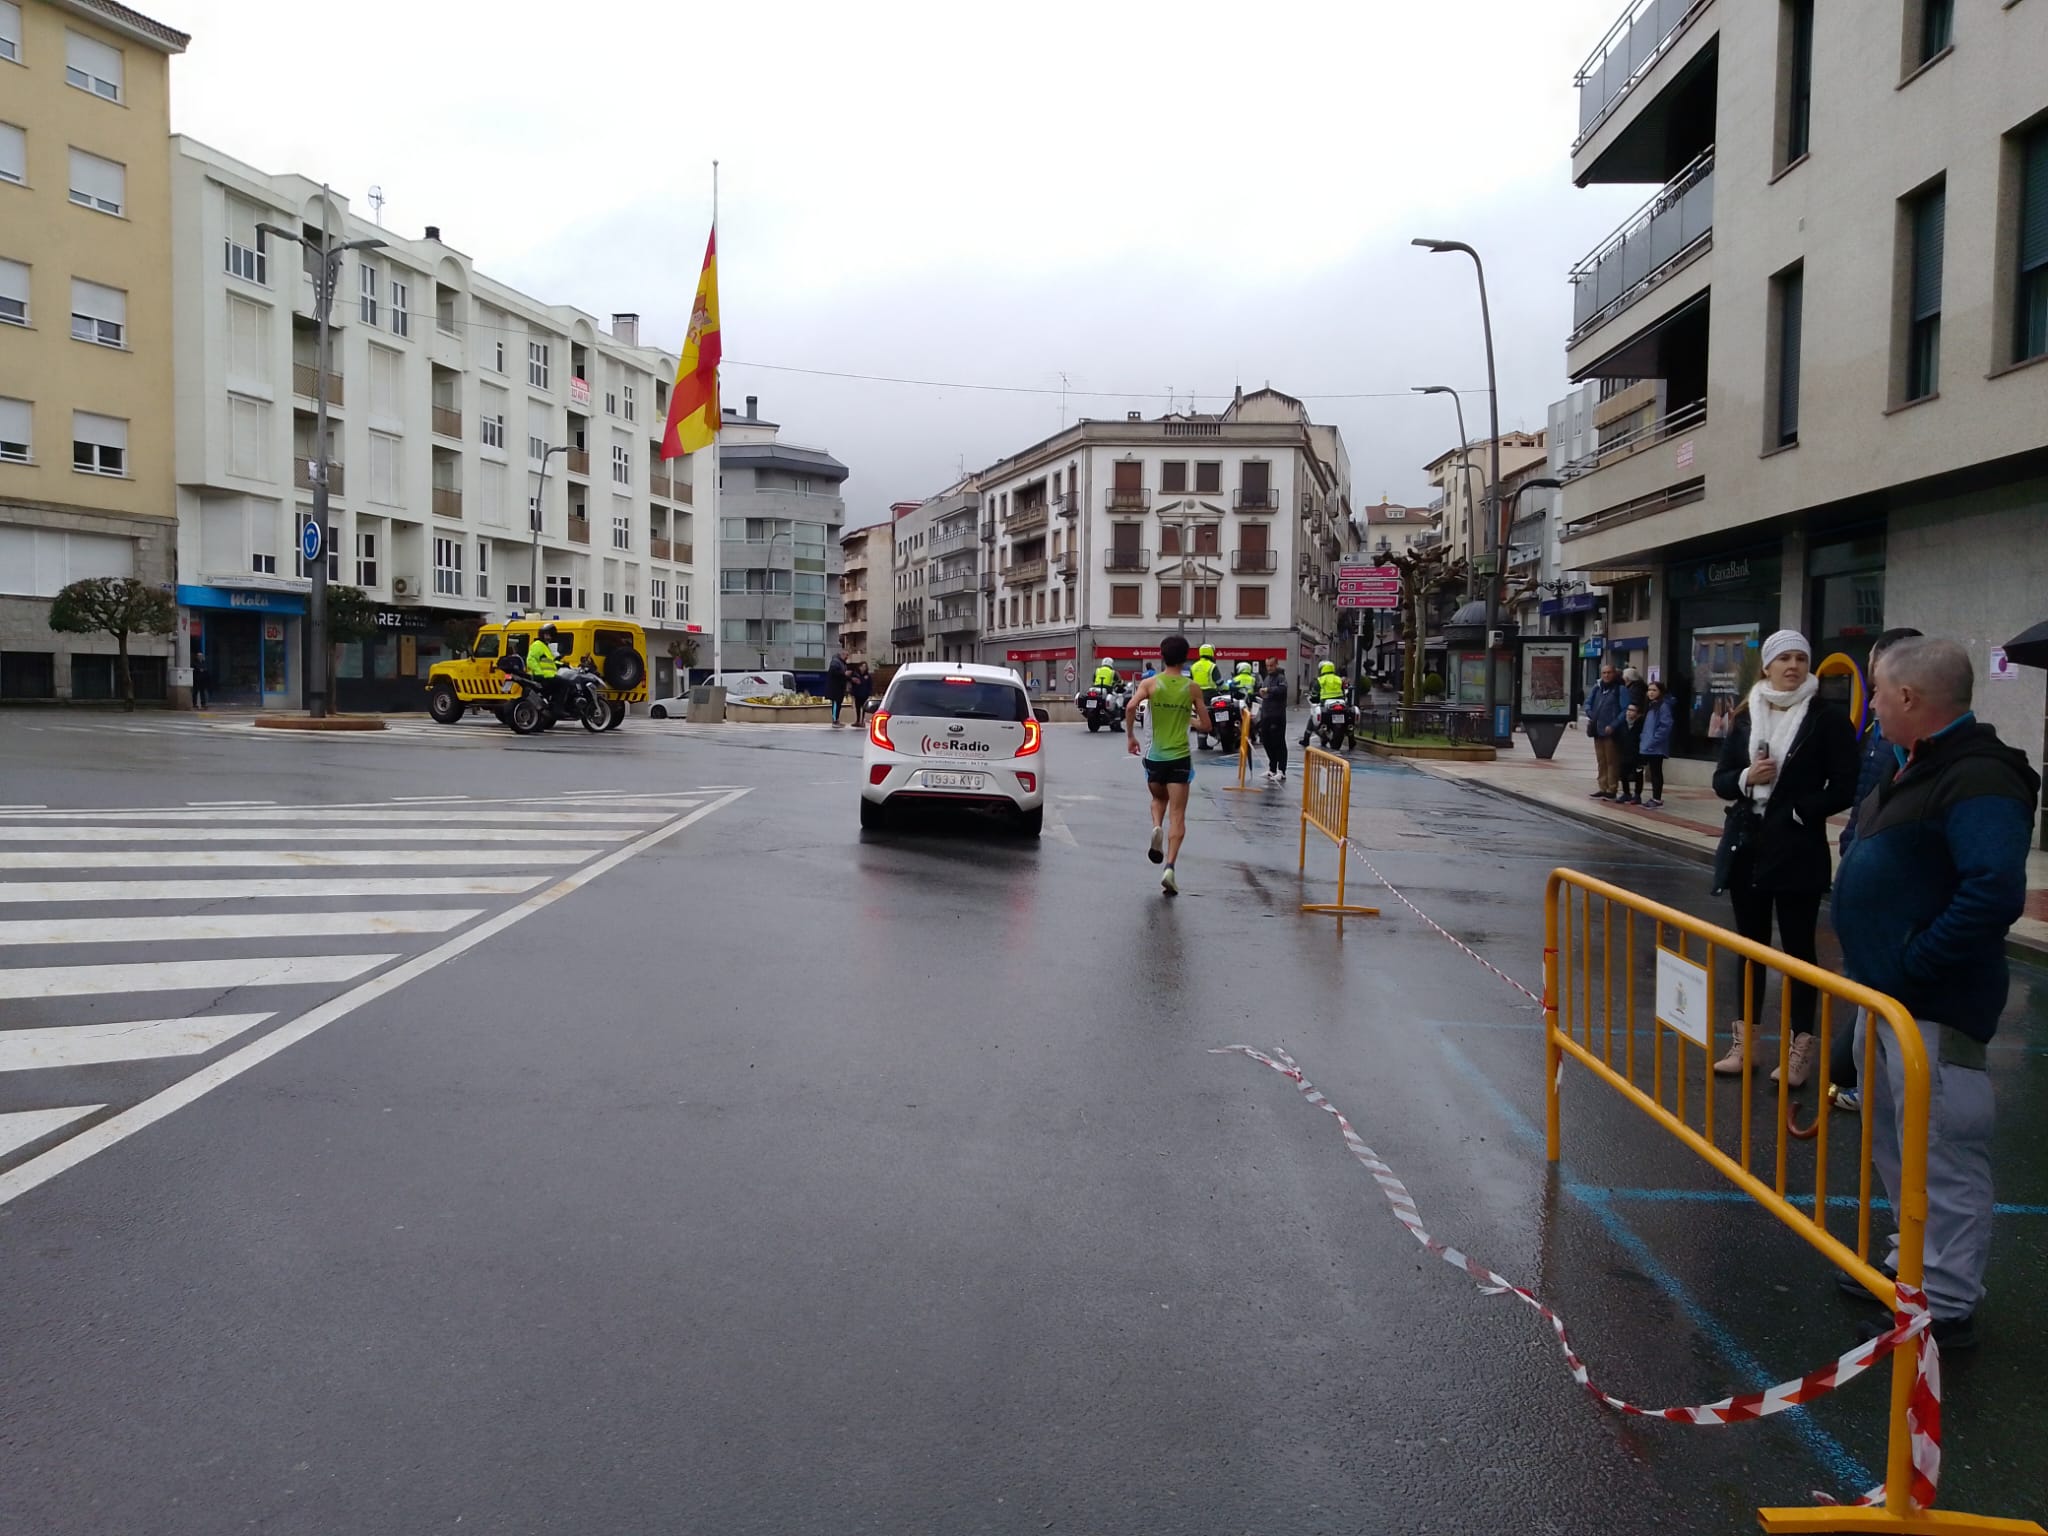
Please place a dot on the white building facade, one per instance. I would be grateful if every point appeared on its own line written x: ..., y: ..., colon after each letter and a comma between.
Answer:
x: 1103, y: 540
x: 488, y: 453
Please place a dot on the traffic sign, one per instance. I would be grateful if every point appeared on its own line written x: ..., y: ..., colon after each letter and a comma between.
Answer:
x: 1368, y: 586
x: 309, y: 541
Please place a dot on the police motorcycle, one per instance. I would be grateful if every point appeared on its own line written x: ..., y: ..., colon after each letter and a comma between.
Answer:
x: 577, y: 694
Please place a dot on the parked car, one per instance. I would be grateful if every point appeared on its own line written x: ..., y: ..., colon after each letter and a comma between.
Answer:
x: 950, y: 733
x: 677, y: 708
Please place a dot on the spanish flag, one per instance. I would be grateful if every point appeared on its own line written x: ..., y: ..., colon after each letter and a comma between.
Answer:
x: 693, y: 404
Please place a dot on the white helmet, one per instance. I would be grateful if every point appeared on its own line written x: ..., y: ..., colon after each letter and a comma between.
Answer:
x: 1244, y: 666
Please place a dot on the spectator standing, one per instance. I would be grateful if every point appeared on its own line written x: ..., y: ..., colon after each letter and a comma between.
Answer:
x: 1637, y: 690
x: 860, y: 683
x: 1788, y: 763
x: 1935, y: 876
x: 1654, y: 744
x: 835, y: 684
x: 202, y: 680
x: 1273, y: 724
x: 1629, y: 758
x: 1606, y: 708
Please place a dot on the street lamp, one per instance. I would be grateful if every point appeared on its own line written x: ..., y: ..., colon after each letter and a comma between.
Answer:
x: 539, y: 515
x: 1464, y: 452
x: 323, y: 303
x: 768, y: 582
x: 1441, y: 247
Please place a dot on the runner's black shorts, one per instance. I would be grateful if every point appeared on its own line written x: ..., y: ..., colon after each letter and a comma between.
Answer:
x: 1170, y: 770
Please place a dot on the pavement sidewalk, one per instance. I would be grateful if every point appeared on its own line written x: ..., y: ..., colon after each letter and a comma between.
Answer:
x: 1690, y: 821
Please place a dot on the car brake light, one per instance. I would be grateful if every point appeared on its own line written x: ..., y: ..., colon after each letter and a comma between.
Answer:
x: 1031, y: 737
x: 1028, y: 782
x: 959, y: 679
x: 878, y: 773
x: 878, y: 731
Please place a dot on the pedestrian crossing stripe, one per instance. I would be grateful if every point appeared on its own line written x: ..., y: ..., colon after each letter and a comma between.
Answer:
x: 402, y: 888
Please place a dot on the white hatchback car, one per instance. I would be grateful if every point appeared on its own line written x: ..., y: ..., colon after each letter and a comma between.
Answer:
x: 955, y: 733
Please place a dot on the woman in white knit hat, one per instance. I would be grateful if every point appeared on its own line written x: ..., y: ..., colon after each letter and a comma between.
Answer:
x: 1788, y: 763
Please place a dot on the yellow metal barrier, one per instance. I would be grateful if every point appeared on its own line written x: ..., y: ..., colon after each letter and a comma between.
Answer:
x: 1326, y: 806
x: 1244, y: 760
x: 1582, y: 954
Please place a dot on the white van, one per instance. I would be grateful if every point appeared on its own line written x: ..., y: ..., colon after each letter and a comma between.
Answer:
x: 740, y: 686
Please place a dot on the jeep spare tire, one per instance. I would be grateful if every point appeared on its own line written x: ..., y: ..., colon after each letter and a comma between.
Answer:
x: 623, y: 669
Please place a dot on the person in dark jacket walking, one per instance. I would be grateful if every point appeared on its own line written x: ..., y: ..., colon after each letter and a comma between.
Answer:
x: 1273, y: 724
x: 1789, y: 763
x: 835, y: 683
x: 1654, y: 745
x: 1605, y: 709
x: 1935, y: 876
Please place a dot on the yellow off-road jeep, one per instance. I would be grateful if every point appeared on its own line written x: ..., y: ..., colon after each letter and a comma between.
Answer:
x: 617, y: 648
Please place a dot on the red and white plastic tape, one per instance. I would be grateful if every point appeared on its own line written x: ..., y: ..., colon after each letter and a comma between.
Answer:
x: 1395, y: 891
x: 1910, y: 1323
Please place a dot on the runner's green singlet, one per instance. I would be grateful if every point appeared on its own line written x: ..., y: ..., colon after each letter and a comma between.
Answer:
x: 1172, y: 704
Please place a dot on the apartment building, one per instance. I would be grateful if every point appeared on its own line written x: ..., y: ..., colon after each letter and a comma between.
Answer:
x: 487, y: 452
x: 1392, y: 529
x: 955, y: 579
x: 1461, y: 475
x: 858, y: 550
x: 86, y: 485
x: 1820, y: 342
x: 780, y: 562
x: 910, y: 538
x: 1111, y: 535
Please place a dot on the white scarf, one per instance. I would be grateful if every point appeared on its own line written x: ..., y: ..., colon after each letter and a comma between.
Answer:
x: 1774, y: 720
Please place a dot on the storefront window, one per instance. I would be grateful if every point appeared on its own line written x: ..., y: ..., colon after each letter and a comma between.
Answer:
x: 1720, y: 611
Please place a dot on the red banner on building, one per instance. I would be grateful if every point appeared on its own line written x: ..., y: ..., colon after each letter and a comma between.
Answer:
x: 1065, y: 654
x: 1232, y: 653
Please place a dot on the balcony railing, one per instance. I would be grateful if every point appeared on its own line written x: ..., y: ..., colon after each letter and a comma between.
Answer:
x: 1613, y: 450
x: 907, y: 634
x: 1127, y: 559
x: 1193, y: 428
x: 1647, y: 29
x: 579, y: 530
x: 1068, y: 564
x: 1650, y: 505
x: 954, y: 581
x: 447, y: 501
x: 1127, y: 498
x: 953, y: 621
x: 1656, y: 241
x: 988, y: 582
x: 955, y: 542
x: 306, y: 382
x: 658, y: 547
x: 684, y: 554
x: 1250, y: 562
x: 1026, y: 518
x: 447, y: 421
x: 578, y: 461
x: 302, y: 476
x: 659, y: 483
x: 1066, y: 504
x: 1022, y: 573
x: 1255, y: 499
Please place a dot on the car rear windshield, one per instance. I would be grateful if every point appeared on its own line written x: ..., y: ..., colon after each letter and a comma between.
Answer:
x: 936, y: 698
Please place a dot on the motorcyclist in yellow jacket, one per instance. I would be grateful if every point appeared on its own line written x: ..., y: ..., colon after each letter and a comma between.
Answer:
x: 1245, y: 683
x: 542, y: 666
x: 1329, y: 685
x: 1105, y: 675
x: 1203, y: 675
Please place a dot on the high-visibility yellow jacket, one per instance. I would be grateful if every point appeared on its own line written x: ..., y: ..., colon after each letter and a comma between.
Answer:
x: 540, y: 659
x: 1204, y: 674
x: 1105, y: 677
x: 1330, y: 685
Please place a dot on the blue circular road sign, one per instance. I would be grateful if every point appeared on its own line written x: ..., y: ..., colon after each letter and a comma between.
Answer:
x: 309, y: 542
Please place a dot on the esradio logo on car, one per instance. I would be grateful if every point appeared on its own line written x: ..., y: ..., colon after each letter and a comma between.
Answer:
x: 935, y: 744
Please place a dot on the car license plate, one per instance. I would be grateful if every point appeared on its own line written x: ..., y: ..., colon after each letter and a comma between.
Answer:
x: 936, y: 780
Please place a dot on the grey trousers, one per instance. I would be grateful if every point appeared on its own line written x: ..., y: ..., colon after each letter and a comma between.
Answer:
x: 1959, y: 1199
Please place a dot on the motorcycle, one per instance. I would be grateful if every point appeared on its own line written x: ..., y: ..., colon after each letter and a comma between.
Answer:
x: 578, y: 695
x: 1102, y: 707
x: 1333, y: 724
x: 1226, y: 713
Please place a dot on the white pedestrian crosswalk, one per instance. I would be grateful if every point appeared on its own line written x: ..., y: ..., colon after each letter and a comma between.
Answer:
x: 147, y: 955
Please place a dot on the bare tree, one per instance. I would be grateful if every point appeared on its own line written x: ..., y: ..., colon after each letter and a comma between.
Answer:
x: 1424, y: 573
x: 113, y: 605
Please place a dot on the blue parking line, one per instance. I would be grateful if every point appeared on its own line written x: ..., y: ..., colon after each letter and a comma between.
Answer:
x: 1736, y: 1196
x: 1830, y: 1452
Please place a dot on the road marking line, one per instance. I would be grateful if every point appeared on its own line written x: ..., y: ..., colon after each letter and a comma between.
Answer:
x: 1056, y: 824
x: 288, y: 858
x: 240, y: 925
x: 117, y: 1128
x: 37, y: 981
x: 343, y: 815
x: 258, y: 888
x: 425, y: 799
x: 26, y: 807
x: 186, y: 834
x: 27, y: 1125
x: 92, y: 1045
x: 218, y: 803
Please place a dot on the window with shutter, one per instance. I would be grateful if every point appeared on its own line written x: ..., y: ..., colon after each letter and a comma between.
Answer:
x: 1791, y: 306
x: 92, y: 66
x: 13, y: 154
x: 97, y: 183
x: 2031, y: 309
x: 16, y: 419
x: 98, y: 315
x: 13, y: 292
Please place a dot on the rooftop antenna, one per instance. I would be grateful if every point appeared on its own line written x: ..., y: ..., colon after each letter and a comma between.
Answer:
x: 377, y: 202
x: 1063, y: 402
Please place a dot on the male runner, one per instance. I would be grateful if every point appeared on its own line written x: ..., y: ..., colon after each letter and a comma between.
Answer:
x: 1169, y: 765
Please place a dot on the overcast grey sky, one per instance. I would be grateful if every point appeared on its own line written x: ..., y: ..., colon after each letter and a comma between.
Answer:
x: 1143, y: 197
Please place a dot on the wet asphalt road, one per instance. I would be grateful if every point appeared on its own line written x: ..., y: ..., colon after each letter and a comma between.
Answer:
x: 786, y: 1179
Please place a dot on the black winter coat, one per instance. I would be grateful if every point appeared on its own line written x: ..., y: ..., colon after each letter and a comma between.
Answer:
x: 1816, y: 780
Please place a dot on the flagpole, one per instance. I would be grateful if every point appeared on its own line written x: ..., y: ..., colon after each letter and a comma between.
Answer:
x: 717, y: 529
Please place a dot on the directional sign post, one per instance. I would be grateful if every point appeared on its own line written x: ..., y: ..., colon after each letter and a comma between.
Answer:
x: 309, y: 541
x: 1368, y: 586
